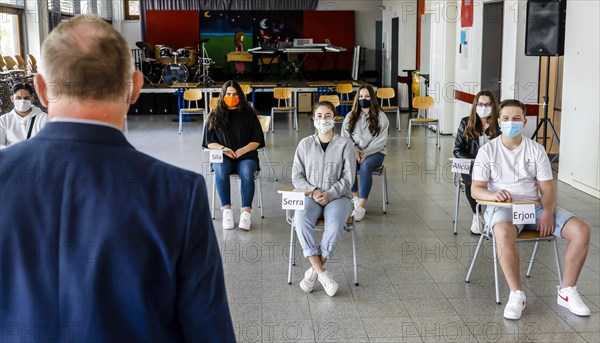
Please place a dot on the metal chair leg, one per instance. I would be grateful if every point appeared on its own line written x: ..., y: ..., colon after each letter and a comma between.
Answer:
x: 535, y: 248
x: 457, y: 204
x: 260, y: 199
x: 557, y: 262
x: 270, y: 165
x: 409, y: 133
x: 292, y: 259
x: 398, y: 120
x: 437, y: 128
x: 212, y: 203
x: 180, y: 122
x: 496, y: 269
x: 354, y: 254
x: 477, y: 249
x: 385, y: 190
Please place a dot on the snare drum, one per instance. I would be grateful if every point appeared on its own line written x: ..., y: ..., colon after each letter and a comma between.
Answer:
x: 173, y: 73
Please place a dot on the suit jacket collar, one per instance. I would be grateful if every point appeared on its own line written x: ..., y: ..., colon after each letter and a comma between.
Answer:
x: 82, y: 133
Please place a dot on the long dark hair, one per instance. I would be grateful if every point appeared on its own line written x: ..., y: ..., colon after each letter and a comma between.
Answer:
x: 219, y: 117
x: 374, y: 127
x: 474, y: 126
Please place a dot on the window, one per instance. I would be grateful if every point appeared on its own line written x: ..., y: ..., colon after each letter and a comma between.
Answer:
x: 104, y: 9
x: 132, y: 9
x: 10, y: 35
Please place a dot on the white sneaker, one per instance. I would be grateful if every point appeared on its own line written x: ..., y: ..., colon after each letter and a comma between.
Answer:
x: 328, y: 283
x: 356, y: 202
x: 515, y: 306
x: 570, y: 298
x: 245, y: 220
x: 359, y: 213
x: 228, y: 219
x: 476, y: 230
x: 308, y: 283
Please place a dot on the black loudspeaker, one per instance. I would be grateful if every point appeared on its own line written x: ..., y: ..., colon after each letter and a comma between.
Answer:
x: 545, y: 29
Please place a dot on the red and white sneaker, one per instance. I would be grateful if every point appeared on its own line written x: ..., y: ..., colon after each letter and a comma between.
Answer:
x: 515, y: 306
x: 570, y: 298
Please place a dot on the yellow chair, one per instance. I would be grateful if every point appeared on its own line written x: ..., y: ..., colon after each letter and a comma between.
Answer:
x: 386, y: 94
x: 10, y: 63
x: 524, y: 236
x: 213, y: 103
x: 265, y: 123
x: 344, y: 90
x: 20, y: 62
x: 284, y: 96
x: 32, y: 64
x: 247, y: 89
x: 189, y: 96
x: 423, y: 103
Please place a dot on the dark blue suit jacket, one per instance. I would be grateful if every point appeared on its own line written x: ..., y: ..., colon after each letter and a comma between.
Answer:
x: 102, y: 243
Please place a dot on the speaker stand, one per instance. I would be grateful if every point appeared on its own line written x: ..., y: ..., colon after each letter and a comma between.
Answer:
x: 545, y: 122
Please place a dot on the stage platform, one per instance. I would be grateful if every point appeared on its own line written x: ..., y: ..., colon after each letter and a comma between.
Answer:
x: 164, y: 99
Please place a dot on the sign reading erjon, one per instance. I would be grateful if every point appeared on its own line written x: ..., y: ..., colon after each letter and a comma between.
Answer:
x: 292, y: 200
x: 523, y: 214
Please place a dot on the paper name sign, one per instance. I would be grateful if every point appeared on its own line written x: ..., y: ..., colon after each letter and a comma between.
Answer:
x: 461, y: 166
x: 523, y: 214
x: 215, y: 156
x: 292, y: 200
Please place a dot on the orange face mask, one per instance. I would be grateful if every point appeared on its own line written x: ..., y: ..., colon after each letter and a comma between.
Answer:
x: 231, y: 101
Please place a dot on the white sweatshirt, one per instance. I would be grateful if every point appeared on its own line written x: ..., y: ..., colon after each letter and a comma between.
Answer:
x: 14, y: 128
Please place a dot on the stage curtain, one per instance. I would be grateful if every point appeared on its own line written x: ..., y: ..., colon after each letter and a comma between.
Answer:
x: 223, y: 5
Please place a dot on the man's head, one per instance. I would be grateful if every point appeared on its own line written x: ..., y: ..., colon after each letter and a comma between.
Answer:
x: 86, y: 65
x: 22, y: 97
x: 512, y: 117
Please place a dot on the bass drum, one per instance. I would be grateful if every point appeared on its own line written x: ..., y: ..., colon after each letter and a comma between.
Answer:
x: 174, y: 73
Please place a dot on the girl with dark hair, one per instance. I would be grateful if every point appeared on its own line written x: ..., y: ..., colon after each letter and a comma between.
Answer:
x: 367, y: 126
x: 473, y: 132
x: 234, y: 128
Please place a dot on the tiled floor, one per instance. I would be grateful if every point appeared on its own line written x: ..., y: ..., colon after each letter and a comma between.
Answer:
x: 411, y: 266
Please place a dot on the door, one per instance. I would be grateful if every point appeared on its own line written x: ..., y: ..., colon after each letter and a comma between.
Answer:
x: 395, y: 59
x: 378, y: 45
x: 491, y: 55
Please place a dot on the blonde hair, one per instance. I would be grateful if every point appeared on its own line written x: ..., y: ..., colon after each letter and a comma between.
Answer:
x: 85, y: 58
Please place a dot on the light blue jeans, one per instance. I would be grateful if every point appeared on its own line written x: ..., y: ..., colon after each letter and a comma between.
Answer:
x: 366, y: 174
x: 245, y: 169
x: 335, y: 213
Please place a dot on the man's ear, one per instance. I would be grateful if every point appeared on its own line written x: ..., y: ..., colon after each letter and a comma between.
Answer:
x: 137, y: 82
x: 41, y: 89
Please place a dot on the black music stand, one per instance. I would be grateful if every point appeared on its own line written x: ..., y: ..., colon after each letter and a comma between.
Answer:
x: 545, y: 122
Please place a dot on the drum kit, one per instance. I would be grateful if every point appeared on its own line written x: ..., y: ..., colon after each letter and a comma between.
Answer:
x: 163, y: 64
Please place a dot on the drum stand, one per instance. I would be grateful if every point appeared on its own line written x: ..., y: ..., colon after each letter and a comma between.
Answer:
x: 204, y: 65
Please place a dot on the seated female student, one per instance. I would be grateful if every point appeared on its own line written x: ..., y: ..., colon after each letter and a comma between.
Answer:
x: 25, y: 120
x: 234, y: 128
x: 324, y: 164
x: 473, y: 132
x: 367, y: 126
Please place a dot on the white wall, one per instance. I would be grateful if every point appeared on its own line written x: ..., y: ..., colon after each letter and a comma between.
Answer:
x: 579, y: 163
x: 366, y: 14
x: 130, y: 29
x: 520, y: 73
x: 443, y: 16
x: 36, y: 26
x: 406, y: 11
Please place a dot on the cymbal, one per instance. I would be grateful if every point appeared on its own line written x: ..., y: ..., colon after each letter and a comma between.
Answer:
x: 202, y: 41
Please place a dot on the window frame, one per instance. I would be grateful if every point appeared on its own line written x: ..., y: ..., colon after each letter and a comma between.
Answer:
x: 19, y: 13
x: 129, y: 16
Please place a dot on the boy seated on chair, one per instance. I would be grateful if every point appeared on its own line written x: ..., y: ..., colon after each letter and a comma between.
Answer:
x: 512, y: 168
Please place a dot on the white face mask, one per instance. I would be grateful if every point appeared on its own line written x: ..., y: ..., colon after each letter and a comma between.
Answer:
x: 323, y: 125
x: 22, y: 105
x: 484, y: 112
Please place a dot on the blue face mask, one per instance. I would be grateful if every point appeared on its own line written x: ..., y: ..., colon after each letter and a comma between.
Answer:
x: 364, y: 103
x: 511, y: 128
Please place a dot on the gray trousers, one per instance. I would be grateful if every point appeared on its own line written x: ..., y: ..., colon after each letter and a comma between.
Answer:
x: 335, y: 213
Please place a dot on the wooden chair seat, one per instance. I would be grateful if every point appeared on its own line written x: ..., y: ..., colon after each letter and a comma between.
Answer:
x: 424, y: 120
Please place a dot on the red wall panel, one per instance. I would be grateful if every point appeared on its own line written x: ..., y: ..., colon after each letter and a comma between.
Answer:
x: 337, y: 26
x: 175, y: 29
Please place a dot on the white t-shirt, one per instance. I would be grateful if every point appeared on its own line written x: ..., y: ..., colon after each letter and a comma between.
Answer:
x: 14, y: 128
x: 518, y: 171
